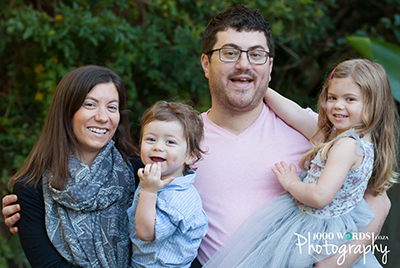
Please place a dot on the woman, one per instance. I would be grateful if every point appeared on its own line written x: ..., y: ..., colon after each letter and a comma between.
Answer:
x: 77, y: 183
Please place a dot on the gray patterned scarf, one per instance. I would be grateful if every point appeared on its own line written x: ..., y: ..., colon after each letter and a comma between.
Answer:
x: 87, y: 221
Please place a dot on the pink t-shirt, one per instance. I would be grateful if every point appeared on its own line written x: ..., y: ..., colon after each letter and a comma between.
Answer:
x: 234, y: 178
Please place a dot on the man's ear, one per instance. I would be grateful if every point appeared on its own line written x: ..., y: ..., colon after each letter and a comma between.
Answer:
x: 205, y: 63
x: 271, y: 64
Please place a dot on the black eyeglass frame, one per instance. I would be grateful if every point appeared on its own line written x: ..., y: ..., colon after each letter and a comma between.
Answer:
x: 240, y: 54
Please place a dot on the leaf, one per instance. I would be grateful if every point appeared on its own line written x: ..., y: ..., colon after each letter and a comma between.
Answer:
x: 39, y: 96
x: 386, y: 54
x: 28, y: 32
x: 39, y: 69
x: 361, y: 44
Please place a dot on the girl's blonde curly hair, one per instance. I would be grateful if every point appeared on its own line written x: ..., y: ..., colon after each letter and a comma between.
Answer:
x: 379, y: 118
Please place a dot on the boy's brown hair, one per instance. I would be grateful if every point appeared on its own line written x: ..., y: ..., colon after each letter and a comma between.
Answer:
x: 188, y: 118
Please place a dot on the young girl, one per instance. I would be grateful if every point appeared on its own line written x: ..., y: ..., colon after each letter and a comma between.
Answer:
x: 353, y: 147
x: 167, y: 221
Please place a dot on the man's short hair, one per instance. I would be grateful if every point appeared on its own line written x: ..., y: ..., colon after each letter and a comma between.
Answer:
x: 239, y: 18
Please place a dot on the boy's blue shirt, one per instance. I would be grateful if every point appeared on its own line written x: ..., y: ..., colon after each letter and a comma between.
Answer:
x: 181, y: 223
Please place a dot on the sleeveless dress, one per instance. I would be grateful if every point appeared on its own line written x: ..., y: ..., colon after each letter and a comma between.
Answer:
x: 287, y: 233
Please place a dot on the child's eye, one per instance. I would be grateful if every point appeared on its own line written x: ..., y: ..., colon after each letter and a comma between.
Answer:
x: 331, y: 98
x: 150, y: 139
x: 171, y: 142
x: 351, y: 99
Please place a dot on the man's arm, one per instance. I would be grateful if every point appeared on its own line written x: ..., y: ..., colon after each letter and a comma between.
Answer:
x: 380, y: 205
x: 10, y: 212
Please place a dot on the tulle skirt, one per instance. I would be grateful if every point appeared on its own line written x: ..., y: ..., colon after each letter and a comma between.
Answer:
x: 281, y: 235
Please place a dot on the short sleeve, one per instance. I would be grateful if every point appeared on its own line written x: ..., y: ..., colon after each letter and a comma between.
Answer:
x: 312, y: 113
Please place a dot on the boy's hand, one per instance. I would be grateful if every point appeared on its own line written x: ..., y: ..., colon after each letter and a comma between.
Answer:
x: 150, y: 178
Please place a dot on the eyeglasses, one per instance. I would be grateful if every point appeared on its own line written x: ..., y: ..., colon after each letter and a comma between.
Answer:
x: 254, y: 56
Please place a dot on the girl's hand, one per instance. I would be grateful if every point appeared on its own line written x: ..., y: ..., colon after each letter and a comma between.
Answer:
x: 150, y: 178
x: 286, y: 174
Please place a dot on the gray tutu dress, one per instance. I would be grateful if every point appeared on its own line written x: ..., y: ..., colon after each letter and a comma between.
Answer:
x: 286, y: 233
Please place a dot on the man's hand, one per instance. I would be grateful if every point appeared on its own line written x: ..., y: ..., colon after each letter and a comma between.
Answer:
x: 10, y: 212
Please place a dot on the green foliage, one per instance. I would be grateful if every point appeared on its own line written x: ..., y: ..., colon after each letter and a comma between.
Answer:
x: 300, y: 30
x: 10, y: 249
x: 387, y: 54
x: 155, y: 47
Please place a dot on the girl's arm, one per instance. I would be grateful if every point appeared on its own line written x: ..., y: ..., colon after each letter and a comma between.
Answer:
x: 291, y: 113
x: 342, y: 158
x: 145, y: 217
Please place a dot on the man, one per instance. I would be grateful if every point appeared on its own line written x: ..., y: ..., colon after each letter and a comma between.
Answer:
x: 243, y: 137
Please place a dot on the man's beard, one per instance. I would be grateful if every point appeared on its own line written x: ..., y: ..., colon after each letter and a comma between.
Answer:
x: 232, y: 100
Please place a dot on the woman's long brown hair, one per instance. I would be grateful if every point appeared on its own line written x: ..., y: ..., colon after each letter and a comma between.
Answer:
x: 53, y: 148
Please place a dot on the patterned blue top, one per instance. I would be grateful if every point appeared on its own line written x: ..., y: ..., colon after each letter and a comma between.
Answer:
x: 353, y: 188
x: 181, y: 223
